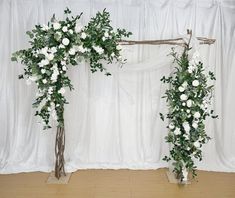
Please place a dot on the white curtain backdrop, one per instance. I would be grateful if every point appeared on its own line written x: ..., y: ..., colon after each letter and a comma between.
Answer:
x: 113, y: 122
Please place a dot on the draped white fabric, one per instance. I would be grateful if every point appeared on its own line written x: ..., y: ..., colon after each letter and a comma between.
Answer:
x: 113, y: 122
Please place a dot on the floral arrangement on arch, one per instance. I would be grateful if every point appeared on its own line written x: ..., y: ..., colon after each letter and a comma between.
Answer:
x: 58, y: 45
x: 188, y: 98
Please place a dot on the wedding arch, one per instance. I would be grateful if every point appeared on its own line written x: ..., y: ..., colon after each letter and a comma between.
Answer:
x: 59, y: 44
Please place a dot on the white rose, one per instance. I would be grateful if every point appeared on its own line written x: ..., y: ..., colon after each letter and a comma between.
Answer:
x: 195, y: 83
x: 64, y: 68
x: 83, y: 35
x: 50, y: 57
x: 186, y: 136
x: 195, y: 125
x: 186, y: 126
x: 181, y: 89
x: 189, y: 103
x: 44, y: 50
x: 56, y: 26
x: 183, y: 97
x: 63, y: 63
x: 197, y: 144
x: 61, y: 46
x: 72, y: 51
x: 71, y: 31
x: 106, y: 34
x: 103, y: 38
x: 185, y: 84
x: 43, y: 71
x: 64, y: 29
x: 53, y: 50
x: 65, y: 41
x: 81, y: 49
x: 44, y: 81
x: 112, y: 54
x: 177, y: 131
x: 197, y: 115
x: 61, y: 91
x: 183, y: 104
x: 188, y: 111
x: 171, y: 126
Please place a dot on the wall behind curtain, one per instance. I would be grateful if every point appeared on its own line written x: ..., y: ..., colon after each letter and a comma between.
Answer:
x: 113, y: 122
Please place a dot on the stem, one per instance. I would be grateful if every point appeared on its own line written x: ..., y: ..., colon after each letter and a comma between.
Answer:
x: 59, y: 152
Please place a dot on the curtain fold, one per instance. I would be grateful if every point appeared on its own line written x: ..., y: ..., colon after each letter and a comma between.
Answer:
x: 113, y: 122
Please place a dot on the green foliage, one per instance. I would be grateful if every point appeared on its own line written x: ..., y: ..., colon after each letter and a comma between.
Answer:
x: 188, y: 98
x: 56, y: 46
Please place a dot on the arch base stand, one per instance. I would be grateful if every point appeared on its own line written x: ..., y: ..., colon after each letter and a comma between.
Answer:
x: 62, y: 180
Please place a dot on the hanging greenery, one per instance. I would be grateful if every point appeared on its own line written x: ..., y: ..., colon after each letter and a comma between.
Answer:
x: 55, y: 47
x: 188, y: 98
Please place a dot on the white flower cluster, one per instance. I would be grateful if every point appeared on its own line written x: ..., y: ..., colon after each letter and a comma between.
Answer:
x: 98, y: 49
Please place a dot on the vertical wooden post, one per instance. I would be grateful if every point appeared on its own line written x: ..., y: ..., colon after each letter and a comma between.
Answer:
x: 59, y: 152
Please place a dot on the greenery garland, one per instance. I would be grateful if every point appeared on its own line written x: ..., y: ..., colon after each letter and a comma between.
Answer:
x: 188, y: 98
x: 59, y: 44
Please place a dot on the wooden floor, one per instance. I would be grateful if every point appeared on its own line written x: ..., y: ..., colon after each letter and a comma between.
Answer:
x: 117, y: 184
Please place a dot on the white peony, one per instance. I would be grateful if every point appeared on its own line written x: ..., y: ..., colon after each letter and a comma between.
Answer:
x: 189, y: 103
x: 64, y: 29
x: 72, y: 51
x: 65, y: 41
x: 197, y: 115
x: 183, y: 97
x: 61, y: 91
x: 56, y: 26
x: 44, y: 81
x: 195, y: 83
x: 181, y: 89
x: 83, y: 35
x: 177, y: 131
